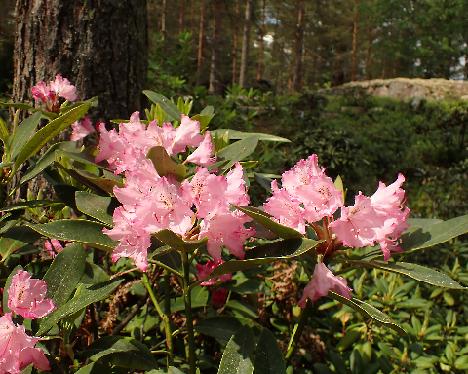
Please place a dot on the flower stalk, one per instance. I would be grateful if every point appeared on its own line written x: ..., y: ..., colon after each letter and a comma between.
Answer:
x: 188, y: 312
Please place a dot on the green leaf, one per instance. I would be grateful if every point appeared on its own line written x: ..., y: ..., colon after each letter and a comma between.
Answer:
x: 95, y: 368
x: 242, y: 307
x: 47, y: 159
x: 50, y: 131
x: 415, y: 271
x: 8, y: 246
x: 75, y: 230
x: 238, y: 354
x: 239, y: 150
x: 65, y: 273
x: 220, y: 328
x: 167, y: 105
x: 234, y: 134
x: 164, y: 164
x: 95, y: 206
x: 199, y: 297
x: 205, y: 117
x: 268, y: 356
x: 368, y: 311
x: 23, y: 133
x: 264, y: 219
x: 175, y: 241
x: 265, y: 254
x: 430, y: 235
x: 121, y: 351
x: 30, y: 204
x: 83, y: 297
x: 104, y: 183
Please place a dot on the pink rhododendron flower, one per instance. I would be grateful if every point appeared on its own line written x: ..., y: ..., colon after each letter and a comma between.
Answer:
x: 323, y: 281
x: 379, y: 219
x: 204, y: 270
x: 225, y: 228
x: 307, y: 195
x: 17, y: 349
x: 204, y: 154
x: 187, y: 134
x: 285, y: 208
x: 236, y: 193
x: 41, y: 92
x: 49, y: 94
x: 52, y: 247
x: 219, y: 297
x: 63, y: 88
x: 27, y: 296
x: 81, y: 129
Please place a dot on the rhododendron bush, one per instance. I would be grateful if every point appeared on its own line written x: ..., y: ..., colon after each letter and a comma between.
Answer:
x: 153, y: 217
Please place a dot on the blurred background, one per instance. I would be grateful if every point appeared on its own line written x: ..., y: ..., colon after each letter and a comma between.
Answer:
x: 374, y: 87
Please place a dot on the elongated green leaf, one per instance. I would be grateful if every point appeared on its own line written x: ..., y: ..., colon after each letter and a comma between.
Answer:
x: 48, y: 159
x: 104, y: 183
x: 264, y: 219
x: 205, y: 117
x: 368, y: 311
x: 238, y: 355
x: 75, y: 230
x: 65, y: 273
x: 83, y: 297
x: 430, y: 235
x: 239, y: 150
x: 4, y: 133
x: 265, y: 254
x: 9, y: 246
x: 268, y: 356
x: 94, y: 368
x: 95, y: 206
x: 164, y: 164
x: 234, y: 134
x: 50, y: 131
x: 175, y: 241
x: 30, y: 204
x: 220, y: 328
x: 23, y: 133
x: 16, y: 105
x: 167, y: 105
x: 123, y: 352
x: 415, y: 271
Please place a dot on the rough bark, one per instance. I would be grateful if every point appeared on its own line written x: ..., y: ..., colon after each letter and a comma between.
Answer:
x: 235, y: 42
x: 181, y: 16
x: 163, y: 19
x: 201, y: 41
x: 213, y: 86
x: 261, y: 46
x: 245, y: 43
x: 100, y: 46
x: 296, y: 81
x: 354, y: 50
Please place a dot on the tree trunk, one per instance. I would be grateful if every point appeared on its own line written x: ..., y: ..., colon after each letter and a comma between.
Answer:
x: 261, y: 46
x: 354, y: 43
x: 213, y: 87
x: 245, y: 43
x: 163, y: 19
x: 235, y: 42
x: 201, y: 41
x: 181, y: 16
x: 370, y: 34
x: 296, y: 81
x: 98, y: 45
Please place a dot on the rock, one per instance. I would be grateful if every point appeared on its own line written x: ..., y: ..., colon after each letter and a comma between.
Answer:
x: 408, y: 89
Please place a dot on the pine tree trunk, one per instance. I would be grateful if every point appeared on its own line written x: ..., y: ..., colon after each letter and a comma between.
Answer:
x: 213, y: 86
x: 354, y: 42
x: 98, y: 45
x: 296, y: 81
x: 181, y: 16
x: 235, y: 42
x: 245, y: 43
x: 261, y: 46
x: 201, y: 41
x: 163, y: 19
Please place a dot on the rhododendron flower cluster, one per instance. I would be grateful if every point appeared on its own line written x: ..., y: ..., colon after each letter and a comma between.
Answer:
x: 126, y: 149
x: 27, y: 296
x: 52, y: 247
x: 195, y: 209
x: 204, y: 271
x: 308, y: 196
x: 50, y: 93
x: 17, y: 349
